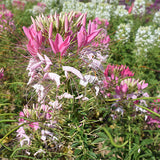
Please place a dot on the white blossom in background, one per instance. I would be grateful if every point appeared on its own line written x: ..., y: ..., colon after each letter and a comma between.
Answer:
x: 123, y: 33
x: 104, y: 11
x: 79, y: 6
x: 121, y: 11
x: 139, y: 7
x: 69, y: 6
x: 89, y: 8
x: 106, y: 1
x: 145, y: 39
x: 156, y: 18
x: 157, y: 37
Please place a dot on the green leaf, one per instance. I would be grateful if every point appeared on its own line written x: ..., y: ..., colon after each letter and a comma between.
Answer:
x: 98, y: 140
x: 146, y: 142
x: 93, y: 155
x: 102, y: 135
x: 77, y: 151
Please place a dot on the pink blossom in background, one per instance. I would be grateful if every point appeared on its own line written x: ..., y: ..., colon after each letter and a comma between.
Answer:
x: 1, y: 73
x: 130, y: 9
x: 155, y: 120
x: 18, y: 4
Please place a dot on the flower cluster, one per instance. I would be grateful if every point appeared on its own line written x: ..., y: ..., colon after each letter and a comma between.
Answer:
x: 123, y: 32
x: 6, y: 20
x: 118, y: 84
x: 157, y: 37
x: 104, y: 11
x: 51, y: 40
x: 18, y: 4
x: 139, y: 7
x: 34, y: 119
x: 121, y: 11
x: 38, y: 9
x: 144, y: 39
x: 156, y: 18
x: 156, y: 109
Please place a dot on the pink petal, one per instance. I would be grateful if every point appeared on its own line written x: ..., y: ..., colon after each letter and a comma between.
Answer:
x: 93, y: 35
x: 82, y: 37
x: 50, y: 30
x: 53, y: 46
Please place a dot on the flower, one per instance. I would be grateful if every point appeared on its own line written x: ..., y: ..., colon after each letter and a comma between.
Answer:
x: 1, y: 73
x: 155, y: 120
x: 59, y: 45
x: 73, y: 70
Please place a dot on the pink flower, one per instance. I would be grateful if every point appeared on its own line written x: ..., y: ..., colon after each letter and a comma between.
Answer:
x: 21, y: 114
x: 85, y: 38
x: 106, y: 23
x: 130, y: 9
x: 35, y: 40
x: 142, y: 85
x: 34, y: 125
x: 155, y: 120
x: 59, y: 45
x: 1, y: 73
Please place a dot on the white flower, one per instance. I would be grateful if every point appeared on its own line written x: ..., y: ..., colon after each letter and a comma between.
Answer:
x: 40, y: 91
x: 53, y: 76
x: 26, y: 139
x: 73, y: 70
x: 65, y: 95
x: 39, y: 151
x: 88, y: 79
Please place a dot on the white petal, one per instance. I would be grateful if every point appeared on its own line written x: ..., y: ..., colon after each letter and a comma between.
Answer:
x: 52, y: 76
x: 74, y: 71
x: 65, y: 95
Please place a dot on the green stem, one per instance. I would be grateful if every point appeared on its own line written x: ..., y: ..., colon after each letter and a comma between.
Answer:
x: 156, y: 114
x: 11, y: 132
x: 129, y: 129
x: 8, y: 114
x: 111, y: 139
x: 8, y: 120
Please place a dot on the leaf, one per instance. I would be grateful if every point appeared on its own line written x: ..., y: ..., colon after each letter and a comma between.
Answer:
x: 96, y: 141
x: 76, y: 144
x: 146, y: 142
x: 132, y: 151
x: 77, y: 151
x: 102, y: 135
x: 93, y: 155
